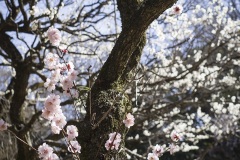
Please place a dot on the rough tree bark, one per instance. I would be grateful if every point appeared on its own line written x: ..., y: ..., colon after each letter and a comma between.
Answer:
x: 19, y: 85
x: 108, y: 104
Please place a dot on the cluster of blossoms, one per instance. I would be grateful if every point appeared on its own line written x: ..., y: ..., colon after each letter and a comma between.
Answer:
x: 3, y: 125
x: 45, y: 152
x: 52, y: 111
x: 61, y: 72
x: 114, y: 141
x: 159, y: 150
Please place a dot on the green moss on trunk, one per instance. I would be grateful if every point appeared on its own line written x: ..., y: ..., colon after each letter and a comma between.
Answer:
x: 109, y: 109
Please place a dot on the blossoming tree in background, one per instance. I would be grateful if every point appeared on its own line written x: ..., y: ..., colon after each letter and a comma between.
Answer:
x: 74, y: 86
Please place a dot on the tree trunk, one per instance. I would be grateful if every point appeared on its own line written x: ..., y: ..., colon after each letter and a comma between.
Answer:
x: 108, y: 104
x: 19, y: 85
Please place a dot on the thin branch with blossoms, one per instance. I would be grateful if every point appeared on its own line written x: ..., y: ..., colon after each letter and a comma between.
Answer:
x: 74, y: 85
x: 69, y: 144
x: 158, y: 150
x: 52, y: 110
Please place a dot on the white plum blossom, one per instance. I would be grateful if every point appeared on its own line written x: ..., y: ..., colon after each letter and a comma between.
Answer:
x: 129, y: 121
x: 54, y: 36
x: 72, y: 132
x: 152, y: 156
x: 74, y: 147
x: 34, y: 25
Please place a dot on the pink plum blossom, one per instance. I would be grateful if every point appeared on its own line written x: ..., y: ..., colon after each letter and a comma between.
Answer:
x: 67, y: 83
x: 66, y: 67
x: 115, y: 136
x: 62, y: 67
x: 47, y: 114
x: 56, y: 75
x: 55, y: 129
x: 112, y: 145
x: 53, y: 108
x: 50, y: 114
x: 60, y: 120
x: 71, y: 92
x: 129, y: 121
x: 51, y: 61
x: 50, y: 84
x: 53, y: 113
x: 72, y: 132
x: 51, y: 157
x: 52, y: 100
x: 109, y: 145
x: 113, y: 142
x: 54, y: 36
x: 45, y: 151
x: 74, y: 147
x: 73, y: 75
x: 3, y: 125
